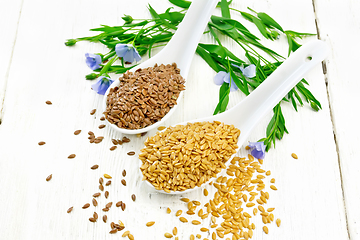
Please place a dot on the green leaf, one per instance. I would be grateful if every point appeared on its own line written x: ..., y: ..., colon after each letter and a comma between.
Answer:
x: 216, y: 49
x: 225, y: 11
x: 174, y: 17
x: 208, y: 59
x: 298, y: 34
x: 224, y: 92
x: 247, y: 16
x: 227, y: 23
x: 181, y: 3
x: 160, y: 19
x: 262, y: 28
x: 269, y: 21
x: 242, y: 86
x: 293, y: 45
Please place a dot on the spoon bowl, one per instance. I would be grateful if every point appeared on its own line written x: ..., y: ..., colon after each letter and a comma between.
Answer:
x: 180, y: 50
x: 247, y: 114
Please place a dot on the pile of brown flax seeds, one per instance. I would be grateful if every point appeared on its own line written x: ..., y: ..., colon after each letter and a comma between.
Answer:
x: 144, y: 97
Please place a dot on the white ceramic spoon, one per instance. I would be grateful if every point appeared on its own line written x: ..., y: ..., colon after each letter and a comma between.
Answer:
x: 180, y: 49
x: 246, y: 114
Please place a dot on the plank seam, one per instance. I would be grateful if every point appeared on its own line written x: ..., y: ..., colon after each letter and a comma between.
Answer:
x: 10, y: 62
x: 324, y: 67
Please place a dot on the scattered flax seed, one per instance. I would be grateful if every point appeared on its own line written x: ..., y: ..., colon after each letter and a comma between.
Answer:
x: 278, y: 222
x: 113, y: 148
x: 94, y: 202
x: 123, y: 206
x: 108, y: 205
x: 131, y: 237
x: 182, y: 219
x: 125, y: 234
x: 72, y: 156
x: 192, y: 237
x: 49, y: 177
x: 247, y: 148
x: 273, y: 187
x: 101, y: 180
x: 77, y: 132
x: 272, y: 180
x: 124, y: 173
x: 266, y: 230
x: 294, y: 156
x: 70, y: 209
x: 133, y: 197
x: 114, y: 141
x: 102, y: 118
x: 168, y: 235
x: 168, y: 210
x: 108, y: 183
x: 104, y: 218
x: 118, y: 204
x: 185, y: 200
x: 178, y: 213
x: 270, y: 209
x: 102, y: 126
x: 92, y: 112
x: 48, y: 102
x: 123, y: 181
x: 101, y: 187
x: 86, y: 205
x: 94, y: 167
x: 203, y: 229
x: 95, y: 215
x: 92, y: 219
x: 41, y: 143
x: 107, y: 176
x: 131, y: 153
x: 112, y: 231
x: 174, y: 231
x: 161, y: 128
x: 96, y: 194
x: 149, y: 224
x: 125, y: 140
x: 195, y: 222
x: 206, y: 192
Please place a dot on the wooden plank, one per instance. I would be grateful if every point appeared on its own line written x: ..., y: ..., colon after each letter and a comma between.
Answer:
x: 309, y: 199
x: 9, y: 17
x: 339, y: 27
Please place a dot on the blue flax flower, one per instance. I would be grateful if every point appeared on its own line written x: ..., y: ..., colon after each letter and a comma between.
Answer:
x: 249, y: 71
x: 221, y: 76
x: 102, y: 84
x: 93, y: 61
x: 127, y: 52
x: 257, y: 149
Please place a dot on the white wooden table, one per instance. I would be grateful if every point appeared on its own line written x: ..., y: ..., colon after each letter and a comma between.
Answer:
x: 318, y: 194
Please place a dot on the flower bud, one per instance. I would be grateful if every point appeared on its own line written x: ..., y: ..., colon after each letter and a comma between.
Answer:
x: 275, y: 34
x: 128, y: 19
x: 91, y: 76
x: 314, y: 106
x: 70, y: 42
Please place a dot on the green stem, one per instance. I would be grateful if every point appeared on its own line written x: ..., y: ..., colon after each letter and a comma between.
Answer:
x: 107, y: 66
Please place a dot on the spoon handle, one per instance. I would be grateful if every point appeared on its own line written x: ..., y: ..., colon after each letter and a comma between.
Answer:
x: 182, y: 45
x: 255, y: 106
